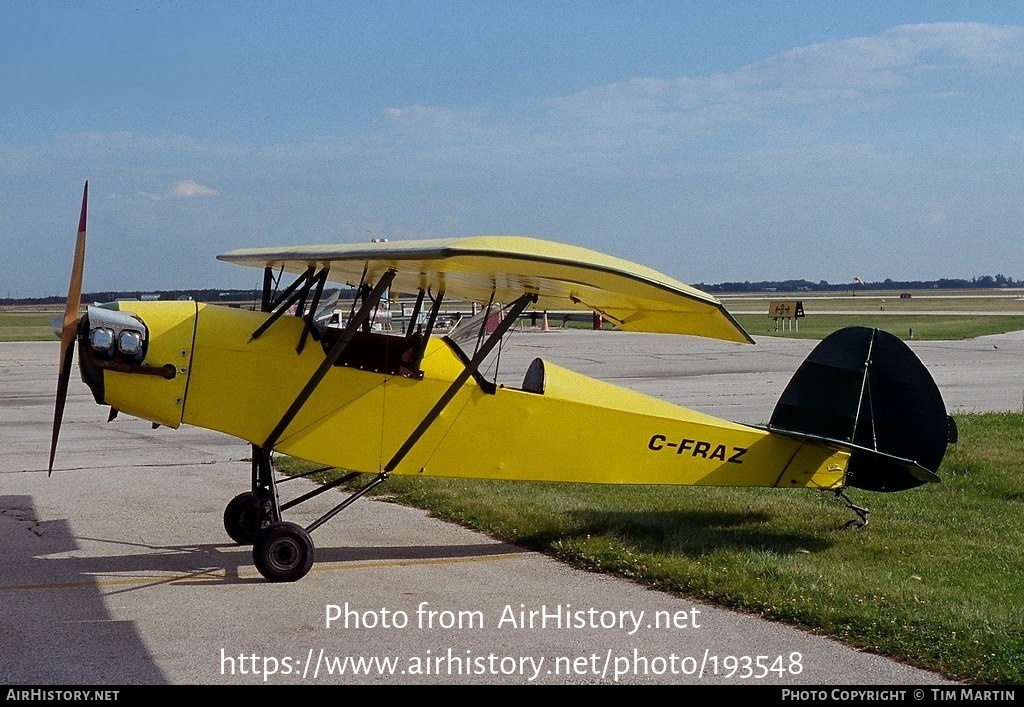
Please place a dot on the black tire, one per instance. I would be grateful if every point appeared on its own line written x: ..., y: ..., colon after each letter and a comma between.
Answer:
x: 283, y: 552
x: 242, y: 519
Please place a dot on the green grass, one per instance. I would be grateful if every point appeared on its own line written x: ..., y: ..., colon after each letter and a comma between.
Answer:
x: 933, y: 314
x: 926, y: 327
x: 936, y: 579
x: 26, y: 326
x: 933, y: 301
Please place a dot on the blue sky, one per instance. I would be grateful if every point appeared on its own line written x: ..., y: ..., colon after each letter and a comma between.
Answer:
x: 713, y: 141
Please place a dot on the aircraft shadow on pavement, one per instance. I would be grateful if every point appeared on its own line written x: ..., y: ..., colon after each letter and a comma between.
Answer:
x: 56, y: 627
x: 232, y: 563
x: 199, y: 562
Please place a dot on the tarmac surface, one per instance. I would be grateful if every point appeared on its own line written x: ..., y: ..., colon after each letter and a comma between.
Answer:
x: 118, y: 571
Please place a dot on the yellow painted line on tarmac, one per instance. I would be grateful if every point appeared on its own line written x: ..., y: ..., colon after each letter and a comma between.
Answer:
x: 334, y: 567
x: 120, y: 581
x: 251, y: 573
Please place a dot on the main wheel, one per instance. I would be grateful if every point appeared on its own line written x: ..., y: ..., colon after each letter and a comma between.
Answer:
x: 283, y: 552
x: 242, y: 519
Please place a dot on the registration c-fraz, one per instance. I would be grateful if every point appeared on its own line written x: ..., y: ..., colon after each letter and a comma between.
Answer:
x: 699, y: 448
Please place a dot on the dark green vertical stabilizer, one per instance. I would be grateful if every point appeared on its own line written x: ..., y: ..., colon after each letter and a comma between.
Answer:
x: 866, y: 391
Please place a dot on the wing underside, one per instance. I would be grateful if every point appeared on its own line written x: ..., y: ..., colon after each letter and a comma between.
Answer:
x: 563, y: 277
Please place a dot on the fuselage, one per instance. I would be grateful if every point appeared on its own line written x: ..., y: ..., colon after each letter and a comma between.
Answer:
x: 561, y: 426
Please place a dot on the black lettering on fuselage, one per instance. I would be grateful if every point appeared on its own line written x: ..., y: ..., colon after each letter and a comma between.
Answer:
x: 698, y: 448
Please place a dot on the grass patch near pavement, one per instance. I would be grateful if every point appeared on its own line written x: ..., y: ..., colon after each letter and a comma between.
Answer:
x: 27, y: 326
x: 926, y: 327
x: 936, y: 579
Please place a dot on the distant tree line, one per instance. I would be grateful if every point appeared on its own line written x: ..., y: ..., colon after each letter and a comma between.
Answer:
x: 982, y: 282
x: 253, y: 296
x: 250, y: 297
x: 199, y: 295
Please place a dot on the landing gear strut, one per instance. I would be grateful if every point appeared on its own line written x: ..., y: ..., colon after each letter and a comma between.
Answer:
x: 862, y: 513
x: 247, y: 514
x: 281, y: 551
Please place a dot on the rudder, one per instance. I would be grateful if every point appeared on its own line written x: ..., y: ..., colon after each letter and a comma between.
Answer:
x: 866, y: 391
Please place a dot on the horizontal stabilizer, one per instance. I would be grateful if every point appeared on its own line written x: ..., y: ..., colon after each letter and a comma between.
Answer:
x: 865, y: 391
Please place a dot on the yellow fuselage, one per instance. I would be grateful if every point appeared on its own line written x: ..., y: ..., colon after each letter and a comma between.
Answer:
x: 578, y: 430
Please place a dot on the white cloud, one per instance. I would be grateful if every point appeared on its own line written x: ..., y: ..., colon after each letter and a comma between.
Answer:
x: 852, y: 72
x: 182, y: 189
x: 784, y: 102
x: 188, y: 188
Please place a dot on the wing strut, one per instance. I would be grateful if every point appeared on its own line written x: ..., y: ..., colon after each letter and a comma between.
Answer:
x: 269, y: 284
x: 411, y: 328
x: 264, y: 486
x: 295, y: 291
x: 296, y: 553
x: 319, y: 279
x: 431, y: 320
x: 483, y: 324
x: 515, y: 310
x: 332, y: 356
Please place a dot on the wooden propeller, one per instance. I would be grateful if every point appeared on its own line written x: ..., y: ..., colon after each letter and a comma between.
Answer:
x: 69, y: 328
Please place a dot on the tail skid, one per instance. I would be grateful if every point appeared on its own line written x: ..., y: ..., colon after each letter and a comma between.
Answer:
x: 866, y: 392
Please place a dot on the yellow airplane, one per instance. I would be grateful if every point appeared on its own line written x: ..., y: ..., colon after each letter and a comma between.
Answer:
x: 862, y: 411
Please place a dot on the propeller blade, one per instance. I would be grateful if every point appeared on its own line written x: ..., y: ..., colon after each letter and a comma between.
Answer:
x: 69, y: 329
